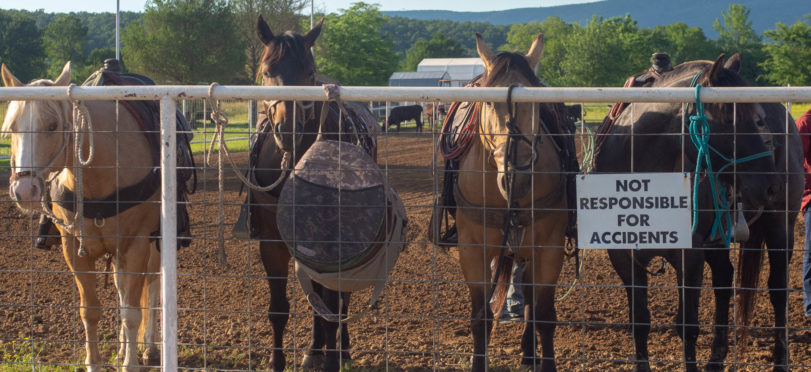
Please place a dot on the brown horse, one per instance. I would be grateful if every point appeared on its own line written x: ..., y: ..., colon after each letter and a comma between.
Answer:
x: 291, y: 128
x: 43, y: 136
x: 513, y: 168
x: 649, y: 137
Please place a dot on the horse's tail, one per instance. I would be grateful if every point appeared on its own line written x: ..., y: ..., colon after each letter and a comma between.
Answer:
x: 750, y: 261
x: 502, y: 285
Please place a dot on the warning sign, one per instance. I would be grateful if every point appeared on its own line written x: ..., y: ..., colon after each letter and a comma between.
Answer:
x: 634, y: 210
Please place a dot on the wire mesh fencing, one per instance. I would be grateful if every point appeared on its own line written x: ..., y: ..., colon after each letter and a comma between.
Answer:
x: 423, y: 318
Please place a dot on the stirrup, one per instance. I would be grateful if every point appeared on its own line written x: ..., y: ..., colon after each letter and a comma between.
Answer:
x: 242, y: 228
x: 47, y: 234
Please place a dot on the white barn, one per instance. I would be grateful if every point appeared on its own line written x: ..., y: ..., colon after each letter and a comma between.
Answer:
x: 460, y: 70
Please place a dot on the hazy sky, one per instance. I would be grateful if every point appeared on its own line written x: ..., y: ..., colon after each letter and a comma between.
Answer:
x: 328, y: 5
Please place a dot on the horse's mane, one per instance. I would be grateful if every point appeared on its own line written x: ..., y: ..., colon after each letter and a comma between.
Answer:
x: 682, y: 75
x: 288, y: 44
x: 504, y: 63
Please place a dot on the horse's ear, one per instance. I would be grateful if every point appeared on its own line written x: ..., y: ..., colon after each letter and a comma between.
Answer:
x: 485, y: 53
x: 734, y: 63
x: 8, y: 78
x: 714, y: 77
x: 262, y: 29
x: 64, y: 77
x: 535, y: 52
x: 309, y: 38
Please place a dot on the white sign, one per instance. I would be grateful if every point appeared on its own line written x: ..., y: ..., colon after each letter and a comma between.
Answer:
x: 634, y: 210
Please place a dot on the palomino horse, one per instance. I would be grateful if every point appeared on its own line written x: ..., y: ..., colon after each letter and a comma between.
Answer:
x: 647, y: 137
x: 44, y: 139
x: 512, y: 172
x: 293, y: 128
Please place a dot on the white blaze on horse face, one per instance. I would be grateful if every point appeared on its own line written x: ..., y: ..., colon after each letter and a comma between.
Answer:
x: 35, y: 144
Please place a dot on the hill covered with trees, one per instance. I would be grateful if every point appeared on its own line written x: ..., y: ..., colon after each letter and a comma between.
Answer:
x: 188, y: 42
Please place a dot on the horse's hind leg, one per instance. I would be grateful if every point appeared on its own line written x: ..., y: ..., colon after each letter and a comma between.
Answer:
x: 779, y: 244
x: 343, y: 332
x: 721, y: 267
x: 314, y: 356
x: 276, y: 258
x: 150, y: 298
x: 332, y: 355
x: 475, y: 271
x: 635, y: 281
x: 90, y: 309
x: 129, y: 279
x: 689, y: 266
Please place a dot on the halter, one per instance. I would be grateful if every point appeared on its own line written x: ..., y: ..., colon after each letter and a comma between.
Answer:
x: 81, y: 121
x: 699, y: 131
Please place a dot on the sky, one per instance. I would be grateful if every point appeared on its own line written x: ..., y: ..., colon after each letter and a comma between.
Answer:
x: 62, y: 6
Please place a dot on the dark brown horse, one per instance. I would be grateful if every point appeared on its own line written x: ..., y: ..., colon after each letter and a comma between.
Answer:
x: 290, y: 129
x: 658, y: 144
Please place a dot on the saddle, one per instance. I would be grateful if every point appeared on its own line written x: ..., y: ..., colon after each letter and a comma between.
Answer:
x: 343, y: 225
x: 147, y: 114
x: 660, y: 64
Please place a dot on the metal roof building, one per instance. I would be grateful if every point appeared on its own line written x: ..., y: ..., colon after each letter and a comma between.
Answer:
x: 418, y: 79
x: 460, y: 70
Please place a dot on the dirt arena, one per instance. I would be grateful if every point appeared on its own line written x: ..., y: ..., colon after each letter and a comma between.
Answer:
x: 422, y: 323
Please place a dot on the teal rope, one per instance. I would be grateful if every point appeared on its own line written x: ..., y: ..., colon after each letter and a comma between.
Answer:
x: 699, y: 131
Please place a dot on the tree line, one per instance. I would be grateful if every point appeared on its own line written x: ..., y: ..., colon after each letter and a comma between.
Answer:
x: 200, y: 41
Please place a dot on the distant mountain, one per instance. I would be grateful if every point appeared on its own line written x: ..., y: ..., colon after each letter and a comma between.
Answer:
x: 649, y: 13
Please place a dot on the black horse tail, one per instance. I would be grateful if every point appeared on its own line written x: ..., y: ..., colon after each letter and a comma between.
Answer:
x: 502, y: 285
x: 750, y: 262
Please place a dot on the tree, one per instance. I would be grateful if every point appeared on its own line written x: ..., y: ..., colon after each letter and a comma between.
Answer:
x: 440, y: 46
x: 351, y: 48
x: 683, y: 43
x: 556, y: 33
x: 185, y: 42
x: 788, y: 58
x: 281, y: 15
x: 736, y: 35
x: 604, y: 53
x: 65, y: 40
x: 21, y: 45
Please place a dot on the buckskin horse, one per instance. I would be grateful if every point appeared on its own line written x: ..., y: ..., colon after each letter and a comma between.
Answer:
x: 290, y: 129
x: 511, y: 204
x: 647, y: 137
x: 66, y: 163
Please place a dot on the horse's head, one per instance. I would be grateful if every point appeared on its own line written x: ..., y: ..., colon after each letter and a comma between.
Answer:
x: 510, y: 130
x: 40, y: 132
x: 287, y: 61
x: 737, y: 131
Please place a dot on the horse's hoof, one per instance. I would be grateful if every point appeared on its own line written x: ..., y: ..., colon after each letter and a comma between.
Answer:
x: 312, y: 362
x: 152, y: 357
x: 714, y: 366
x: 346, y: 364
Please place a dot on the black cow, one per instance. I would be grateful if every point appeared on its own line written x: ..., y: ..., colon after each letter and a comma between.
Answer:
x: 406, y: 113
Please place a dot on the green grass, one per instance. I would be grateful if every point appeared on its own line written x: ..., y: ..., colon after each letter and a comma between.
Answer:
x: 22, y: 354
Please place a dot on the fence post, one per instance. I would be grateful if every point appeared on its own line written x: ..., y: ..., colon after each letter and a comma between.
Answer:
x: 168, y: 234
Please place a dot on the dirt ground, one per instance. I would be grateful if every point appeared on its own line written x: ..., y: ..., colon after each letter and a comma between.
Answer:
x: 422, y: 322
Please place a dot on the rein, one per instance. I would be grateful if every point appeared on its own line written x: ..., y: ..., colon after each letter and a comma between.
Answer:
x: 699, y: 131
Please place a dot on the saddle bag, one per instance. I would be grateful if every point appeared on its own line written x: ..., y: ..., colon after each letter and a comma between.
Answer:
x: 343, y: 225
